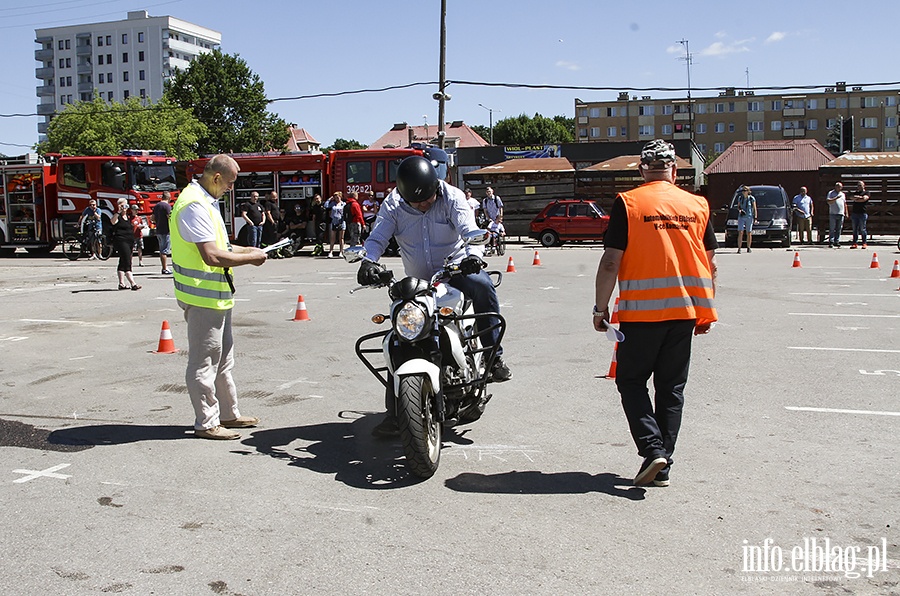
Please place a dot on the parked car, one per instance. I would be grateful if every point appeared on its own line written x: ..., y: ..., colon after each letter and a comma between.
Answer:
x: 567, y: 219
x: 773, y: 220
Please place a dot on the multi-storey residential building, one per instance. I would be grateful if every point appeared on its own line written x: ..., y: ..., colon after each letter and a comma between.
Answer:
x: 117, y: 59
x: 716, y: 122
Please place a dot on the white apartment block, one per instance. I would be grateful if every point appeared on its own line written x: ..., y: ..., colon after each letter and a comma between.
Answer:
x: 117, y: 59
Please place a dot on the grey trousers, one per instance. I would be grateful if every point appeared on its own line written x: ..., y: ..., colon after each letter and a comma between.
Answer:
x: 210, y: 361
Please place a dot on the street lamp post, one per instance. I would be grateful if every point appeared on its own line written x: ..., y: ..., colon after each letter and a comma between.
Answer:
x: 688, y: 58
x: 491, y: 120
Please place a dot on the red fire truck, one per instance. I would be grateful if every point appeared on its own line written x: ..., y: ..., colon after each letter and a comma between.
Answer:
x: 298, y: 177
x: 42, y: 198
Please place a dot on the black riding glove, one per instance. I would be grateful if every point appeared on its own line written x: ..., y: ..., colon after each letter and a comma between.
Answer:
x: 471, y: 265
x: 368, y: 274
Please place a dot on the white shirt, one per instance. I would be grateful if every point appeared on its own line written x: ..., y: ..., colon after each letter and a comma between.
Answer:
x: 425, y: 239
x: 194, y: 223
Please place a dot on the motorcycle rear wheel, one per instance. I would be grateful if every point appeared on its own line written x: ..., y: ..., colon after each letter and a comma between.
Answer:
x: 419, y: 430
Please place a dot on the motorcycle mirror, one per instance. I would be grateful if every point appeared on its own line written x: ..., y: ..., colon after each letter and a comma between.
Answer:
x: 354, y: 254
x: 477, y: 237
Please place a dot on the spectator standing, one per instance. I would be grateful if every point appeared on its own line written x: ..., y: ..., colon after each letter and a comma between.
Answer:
x: 160, y: 219
x: 93, y: 227
x: 335, y: 210
x: 858, y: 213
x: 803, y: 213
x: 316, y: 218
x: 202, y: 259
x: 747, y: 214
x: 270, y: 221
x: 666, y: 277
x: 355, y: 220
x: 370, y: 207
x: 253, y: 214
x: 837, y: 210
x: 139, y: 227
x: 122, y: 230
x: 492, y: 206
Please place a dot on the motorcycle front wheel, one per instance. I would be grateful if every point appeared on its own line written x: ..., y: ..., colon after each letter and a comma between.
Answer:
x: 419, y: 430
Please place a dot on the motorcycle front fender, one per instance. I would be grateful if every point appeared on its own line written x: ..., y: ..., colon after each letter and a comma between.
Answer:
x: 418, y: 366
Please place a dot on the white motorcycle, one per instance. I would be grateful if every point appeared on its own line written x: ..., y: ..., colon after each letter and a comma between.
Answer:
x: 436, y: 367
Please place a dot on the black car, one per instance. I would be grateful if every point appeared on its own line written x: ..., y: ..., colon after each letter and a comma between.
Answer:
x: 773, y: 220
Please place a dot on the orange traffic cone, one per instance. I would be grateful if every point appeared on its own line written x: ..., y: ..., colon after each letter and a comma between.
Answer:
x: 300, y: 314
x: 874, y: 264
x: 537, y: 260
x: 166, y: 343
x: 796, y: 260
x: 612, y: 365
x: 614, y: 318
x: 511, y: 267
x: 895, y: 272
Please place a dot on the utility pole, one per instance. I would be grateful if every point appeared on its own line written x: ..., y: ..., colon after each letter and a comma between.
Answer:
x: 688, y: 59
x: 491, y: 120
x: 441, y: 95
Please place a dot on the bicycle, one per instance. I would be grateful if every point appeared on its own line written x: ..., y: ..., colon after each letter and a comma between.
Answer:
x: 75, y: 246
x: 496, y: 245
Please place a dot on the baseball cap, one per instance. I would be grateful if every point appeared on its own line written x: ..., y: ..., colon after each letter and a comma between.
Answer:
x: 657, y: 155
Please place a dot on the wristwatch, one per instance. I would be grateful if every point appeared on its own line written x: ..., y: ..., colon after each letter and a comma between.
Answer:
x: 600, y: 313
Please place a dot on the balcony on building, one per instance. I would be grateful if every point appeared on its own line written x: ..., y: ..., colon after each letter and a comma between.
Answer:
x: 181, y: 46
x: 85, y: 68
x: 85, y: 87
x: 42, y: 127
x: 793, y: 112
x: 47, y: 72
x: 793, y: 133
x: 582, y: 120
x: 46, y: 90
x: 681, y: 116
x: 46, y: 109
x: 43, y: 54
x: 681, y: 135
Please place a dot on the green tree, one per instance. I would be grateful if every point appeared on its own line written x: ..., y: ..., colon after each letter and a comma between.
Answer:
x: 483, y: 131
x: 522, y: 130
x: 230, y: 99
x: 833, y: 138
x: 342, y: 144
x: 98, y: 127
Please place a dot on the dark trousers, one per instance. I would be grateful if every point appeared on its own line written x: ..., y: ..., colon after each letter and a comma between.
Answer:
x: 663, y: 350
x: 481, y: 290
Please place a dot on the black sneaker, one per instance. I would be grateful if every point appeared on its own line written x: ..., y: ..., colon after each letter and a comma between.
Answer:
x: 387, y: 428
x: 649, y: 469
x: 662, y: 478
x: 500, y: 372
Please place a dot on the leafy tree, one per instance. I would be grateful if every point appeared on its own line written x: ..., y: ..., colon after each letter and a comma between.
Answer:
x: 483, y: 131
x: 522, y: 130
x: 342, y: 144
x: 98, y: 127
x: 833, y: 138
x: 230, y: 99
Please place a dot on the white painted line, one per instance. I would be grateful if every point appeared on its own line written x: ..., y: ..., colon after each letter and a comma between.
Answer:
x: 265, y: 291
x: 880, y: 372
x: 896, y: 295
x: 851, y: 304
x: 851, y: 328
x: 839, y: 411
x: 290, y: 384
x: 48, y: 473
x: 83, y: 323
x: 550, y: 288
x: 843, y: 349
x: 841, y: 314
x: 290, y: 283
x: 857, y: 279
x: 80, y: 357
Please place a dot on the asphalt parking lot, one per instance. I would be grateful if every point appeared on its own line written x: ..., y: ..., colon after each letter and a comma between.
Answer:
x: 789, y: 442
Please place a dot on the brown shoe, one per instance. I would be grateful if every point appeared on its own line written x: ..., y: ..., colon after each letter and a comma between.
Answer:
x: 217, y: 433
x: 242, y: 422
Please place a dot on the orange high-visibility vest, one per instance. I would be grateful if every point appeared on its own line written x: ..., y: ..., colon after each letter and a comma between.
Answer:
x: 665, y: 274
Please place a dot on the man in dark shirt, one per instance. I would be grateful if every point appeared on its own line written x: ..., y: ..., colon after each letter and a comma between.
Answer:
x: 160, y: 218
x: 253, y: 214
x: 858, y: 213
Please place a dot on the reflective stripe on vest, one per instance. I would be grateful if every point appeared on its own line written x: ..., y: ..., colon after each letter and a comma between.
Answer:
x: 196, y: 283
x: 665, y: 274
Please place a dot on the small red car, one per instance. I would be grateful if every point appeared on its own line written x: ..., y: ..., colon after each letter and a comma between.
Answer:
x: 565, y: 220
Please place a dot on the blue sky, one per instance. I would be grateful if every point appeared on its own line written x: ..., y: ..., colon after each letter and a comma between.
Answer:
x: 304, y: 47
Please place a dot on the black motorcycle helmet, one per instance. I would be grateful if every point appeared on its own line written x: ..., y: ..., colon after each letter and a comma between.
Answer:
x: 417, y: 180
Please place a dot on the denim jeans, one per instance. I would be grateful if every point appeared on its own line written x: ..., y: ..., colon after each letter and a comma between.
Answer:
x: 254, y: 235
x: 835, y: 222
x: 480, y: 289
x: 859, y: 225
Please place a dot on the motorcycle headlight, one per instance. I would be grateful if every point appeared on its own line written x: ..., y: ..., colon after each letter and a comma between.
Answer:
x: 779, y: 222
x: 730, y: 222
x: 410, y: 321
